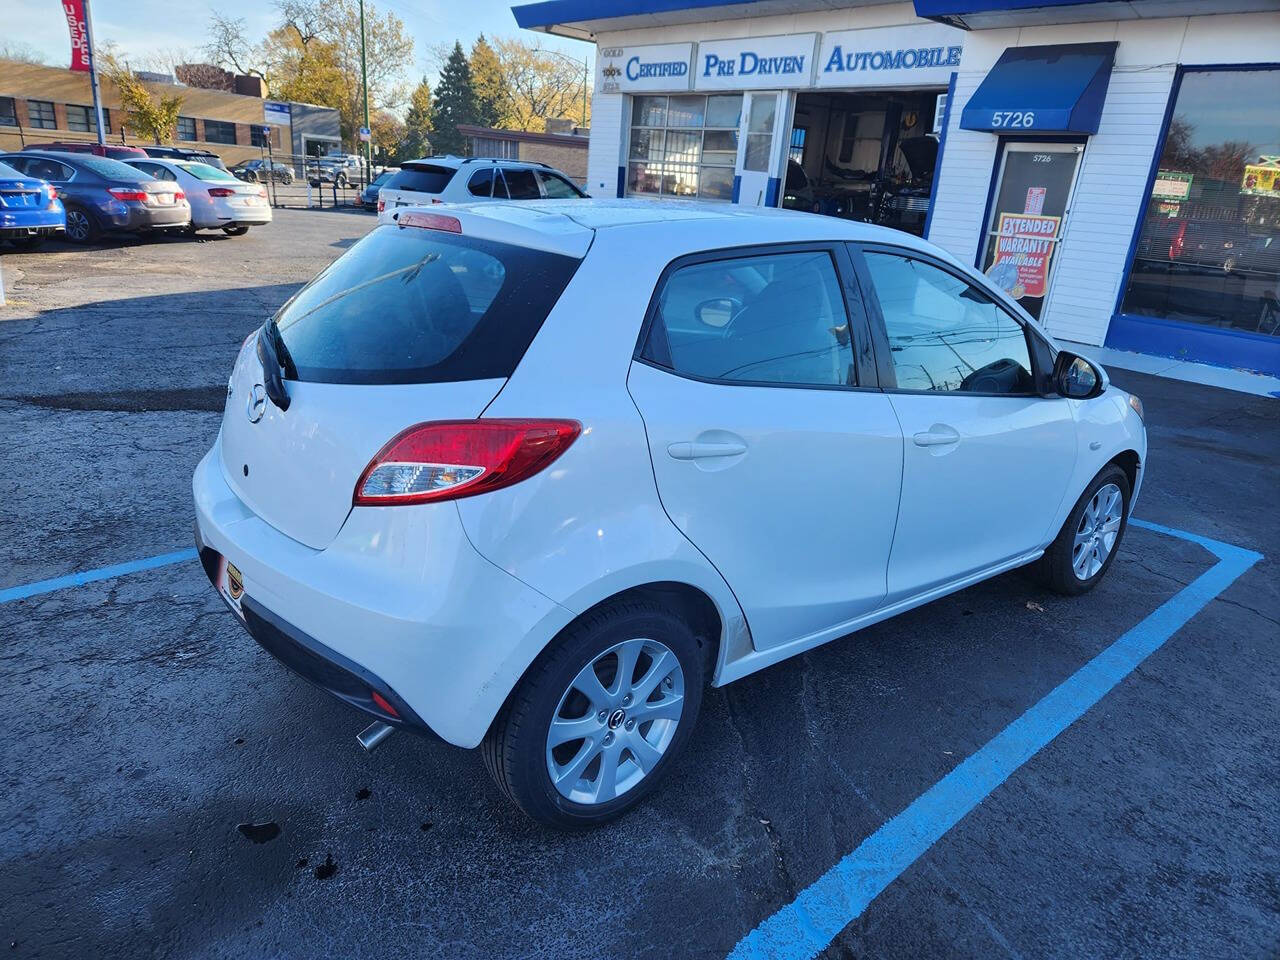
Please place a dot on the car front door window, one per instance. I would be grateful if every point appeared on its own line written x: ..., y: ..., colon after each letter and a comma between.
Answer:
x: 557, y: 187
x: 521, y: 184
x: 945, y: 334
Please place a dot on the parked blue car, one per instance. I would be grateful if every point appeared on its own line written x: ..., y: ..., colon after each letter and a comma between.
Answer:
x: 30, y: 209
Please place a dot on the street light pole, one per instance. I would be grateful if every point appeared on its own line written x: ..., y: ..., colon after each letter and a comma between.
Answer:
x: 93, y: 72
x: 364, y: 82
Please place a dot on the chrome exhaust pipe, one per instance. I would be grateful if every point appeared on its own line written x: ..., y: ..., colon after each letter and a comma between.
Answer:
x: 373, y: 735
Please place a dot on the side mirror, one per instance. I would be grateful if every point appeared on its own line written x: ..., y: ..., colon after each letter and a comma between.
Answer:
x: 716, y: 312
x: 1077, y: 378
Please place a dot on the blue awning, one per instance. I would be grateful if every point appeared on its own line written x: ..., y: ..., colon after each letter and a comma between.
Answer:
x: 1050, y: 89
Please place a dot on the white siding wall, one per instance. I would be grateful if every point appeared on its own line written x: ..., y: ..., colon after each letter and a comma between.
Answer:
x: 604, y: 149
x: 1111, y: 192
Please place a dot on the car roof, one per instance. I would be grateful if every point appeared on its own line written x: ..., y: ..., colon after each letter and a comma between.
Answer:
x: 568, y: 226
x: 449, y: 160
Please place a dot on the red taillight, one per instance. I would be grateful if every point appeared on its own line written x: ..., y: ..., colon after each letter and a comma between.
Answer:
x: 129, y: 196
x: 381, y: 205
x: 221, y: 192
x: 448, y: 459
x: 53, y: 193
x: 179, y: 196
x: 431, y: 221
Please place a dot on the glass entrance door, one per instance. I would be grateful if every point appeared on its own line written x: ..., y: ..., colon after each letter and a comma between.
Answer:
x: 1028, y: 219
x: 757, y: 149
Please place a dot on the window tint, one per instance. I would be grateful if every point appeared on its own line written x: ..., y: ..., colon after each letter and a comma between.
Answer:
x: 45, y: 169
x: 7, y: 172
x: 407, y: 305
x: 481, y: 183
x: 421, y: 178
x: 202, y: 171
x: 945, y: 334
x: 110, y: 169
x: 778, y: 318
x: 521, y: 184
x: 557, y: 187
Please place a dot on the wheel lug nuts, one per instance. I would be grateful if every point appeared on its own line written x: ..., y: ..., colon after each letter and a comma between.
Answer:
x: 602, y: 716
x: 626, y: 701
x: 668, y: 683
x: 608, y: 739
x: 631, y: 724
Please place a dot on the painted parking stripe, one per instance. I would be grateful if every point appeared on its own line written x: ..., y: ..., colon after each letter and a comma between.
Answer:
x: 22, y: 591
x: 805, y: 927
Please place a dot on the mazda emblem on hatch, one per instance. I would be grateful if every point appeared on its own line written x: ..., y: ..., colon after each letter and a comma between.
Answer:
x: 257, y: 404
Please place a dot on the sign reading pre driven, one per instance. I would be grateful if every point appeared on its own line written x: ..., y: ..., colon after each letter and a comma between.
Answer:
x: 755, y: 63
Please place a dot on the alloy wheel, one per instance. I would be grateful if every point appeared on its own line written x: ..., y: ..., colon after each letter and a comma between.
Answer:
x: 77, y: 226
x: 615, y: 721
x: 1096, y: 535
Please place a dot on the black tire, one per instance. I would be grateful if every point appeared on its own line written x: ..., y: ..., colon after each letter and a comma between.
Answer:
x: 250, y: 176
x: 235, y: 231
x: 1055, y: 569
x: 82, y: 225
x: 515, y: 748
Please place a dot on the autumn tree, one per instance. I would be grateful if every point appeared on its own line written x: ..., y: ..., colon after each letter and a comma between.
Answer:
x: 387, y: 137
x: 540, y: 84
x: 418, y: 129
x: 147, y: 113
x: 489, y: 83
x: 455, y: 103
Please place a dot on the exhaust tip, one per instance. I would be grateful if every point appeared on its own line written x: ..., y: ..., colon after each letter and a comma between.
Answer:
x: 371, y: 737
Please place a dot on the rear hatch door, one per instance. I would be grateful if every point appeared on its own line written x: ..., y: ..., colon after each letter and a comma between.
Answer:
x: 416, y: 183
x: 410, y: 325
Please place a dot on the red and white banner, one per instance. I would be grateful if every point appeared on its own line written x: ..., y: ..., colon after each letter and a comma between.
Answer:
x: 74, y: 11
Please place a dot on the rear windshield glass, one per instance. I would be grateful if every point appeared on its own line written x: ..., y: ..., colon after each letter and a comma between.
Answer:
x: 112, y: 169
x: 9, y: 173
x: 202, y: 171
x: 408, y: 305
x: 422, y: 178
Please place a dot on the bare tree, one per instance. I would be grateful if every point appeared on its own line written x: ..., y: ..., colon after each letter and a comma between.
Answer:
x: 21, y: 52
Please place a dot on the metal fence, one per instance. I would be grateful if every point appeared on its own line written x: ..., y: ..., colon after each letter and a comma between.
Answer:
x: 299, y: 181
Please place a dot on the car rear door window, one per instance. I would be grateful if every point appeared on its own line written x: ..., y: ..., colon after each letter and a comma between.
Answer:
x: 521, y: 184
x: 944, y: 333
x: 481, y: 183
x: 773, y: 318
x: 421, y: 178
x: 557, y: 187
x: 409, y: 305
x: 46, y: 169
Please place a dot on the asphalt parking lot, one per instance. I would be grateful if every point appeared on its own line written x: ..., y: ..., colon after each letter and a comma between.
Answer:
x: 143, y: 727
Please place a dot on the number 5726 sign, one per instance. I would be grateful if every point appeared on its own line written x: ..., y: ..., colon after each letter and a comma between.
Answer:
x: 1014, y: 119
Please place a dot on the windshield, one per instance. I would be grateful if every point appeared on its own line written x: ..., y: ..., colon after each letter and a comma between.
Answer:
x: 112, y: 169
x: 202, y: 171
x: 408, y: 305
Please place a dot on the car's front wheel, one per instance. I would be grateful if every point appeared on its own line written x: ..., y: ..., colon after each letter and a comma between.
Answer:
x: 1086, y: 546
x: 600, y: 717
x: 235, y: 231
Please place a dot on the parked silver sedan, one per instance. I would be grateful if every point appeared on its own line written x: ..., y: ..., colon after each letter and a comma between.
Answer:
x: 218, y: 200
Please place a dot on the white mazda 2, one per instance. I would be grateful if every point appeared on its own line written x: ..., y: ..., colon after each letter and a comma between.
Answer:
x: 529, y: 476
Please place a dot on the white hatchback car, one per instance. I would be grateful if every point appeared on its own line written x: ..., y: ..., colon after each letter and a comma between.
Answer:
x: 218, y: 200
x: 531, y: 475
x: 469, y: 179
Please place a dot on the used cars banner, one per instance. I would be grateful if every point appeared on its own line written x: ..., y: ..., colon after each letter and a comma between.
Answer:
x: 74, y: 12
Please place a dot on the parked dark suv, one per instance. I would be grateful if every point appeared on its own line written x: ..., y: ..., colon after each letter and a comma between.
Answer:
x: 105, y: 196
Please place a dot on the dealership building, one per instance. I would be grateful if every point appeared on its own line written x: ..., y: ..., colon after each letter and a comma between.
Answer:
x: 1114, y: 165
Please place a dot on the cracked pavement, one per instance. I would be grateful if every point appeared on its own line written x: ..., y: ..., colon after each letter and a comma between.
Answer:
x: 144, y: 728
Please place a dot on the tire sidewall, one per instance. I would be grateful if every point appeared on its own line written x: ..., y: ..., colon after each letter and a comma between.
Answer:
x: 529, y: 770
x: 91, y: 227
x: 1111, y: 474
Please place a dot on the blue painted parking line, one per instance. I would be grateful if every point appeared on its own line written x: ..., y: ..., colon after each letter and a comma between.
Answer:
x: 24, y: 590
x: 804, y: 927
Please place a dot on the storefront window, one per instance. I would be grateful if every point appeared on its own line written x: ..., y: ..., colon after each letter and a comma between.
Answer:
x: 684, y: 146
x: 1209, y: 248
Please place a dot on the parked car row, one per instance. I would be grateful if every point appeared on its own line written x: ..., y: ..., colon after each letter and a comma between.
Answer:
x: 86, y: 196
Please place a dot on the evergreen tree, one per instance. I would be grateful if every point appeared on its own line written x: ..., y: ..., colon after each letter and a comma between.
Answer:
x: 489, y: 83
x: 455, y: 103
x: 418, y: 129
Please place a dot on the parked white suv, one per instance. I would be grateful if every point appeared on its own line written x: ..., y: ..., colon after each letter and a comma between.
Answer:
x: 530, y: 475
x: 468, y: 179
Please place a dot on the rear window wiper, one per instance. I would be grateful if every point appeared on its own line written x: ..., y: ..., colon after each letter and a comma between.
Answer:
x: 274, y: 356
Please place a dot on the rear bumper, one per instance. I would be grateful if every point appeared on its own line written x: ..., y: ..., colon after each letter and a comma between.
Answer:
x: 400, y: 601
x: 29, y: 223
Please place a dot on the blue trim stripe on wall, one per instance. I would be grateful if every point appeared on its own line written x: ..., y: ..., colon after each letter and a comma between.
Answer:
x: 737, y: 187
x: 622, y: 181
x: 942, y: 146
x: 772, y: 192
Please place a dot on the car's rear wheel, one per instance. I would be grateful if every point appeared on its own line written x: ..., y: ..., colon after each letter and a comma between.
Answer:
x: 600, y: 716
x: 1086, y: 546
x: 81, y: 225
x: 235, y: 231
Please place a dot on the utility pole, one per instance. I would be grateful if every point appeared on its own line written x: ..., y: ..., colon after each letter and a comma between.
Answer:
x: 364, y: 82
x: 93, y: 72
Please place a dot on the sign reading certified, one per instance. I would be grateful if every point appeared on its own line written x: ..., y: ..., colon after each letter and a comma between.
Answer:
x: 663, y: 66
x: 918, y: 55
x: 755, y: 63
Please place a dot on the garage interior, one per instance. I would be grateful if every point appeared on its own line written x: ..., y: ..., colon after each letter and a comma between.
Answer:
x: 865, y: 156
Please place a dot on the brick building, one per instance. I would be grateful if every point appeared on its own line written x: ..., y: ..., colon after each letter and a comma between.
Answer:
x: 39, y: 104
x: 567, y: 151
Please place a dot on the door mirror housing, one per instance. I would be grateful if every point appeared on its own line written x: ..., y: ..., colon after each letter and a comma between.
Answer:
x: 1076, y: 378
x: 717, y: 312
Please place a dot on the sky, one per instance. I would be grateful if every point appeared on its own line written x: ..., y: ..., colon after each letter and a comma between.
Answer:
x: 139, y: 27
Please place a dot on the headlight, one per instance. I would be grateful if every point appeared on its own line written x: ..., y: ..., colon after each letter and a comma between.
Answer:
x: 1137, y: 407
